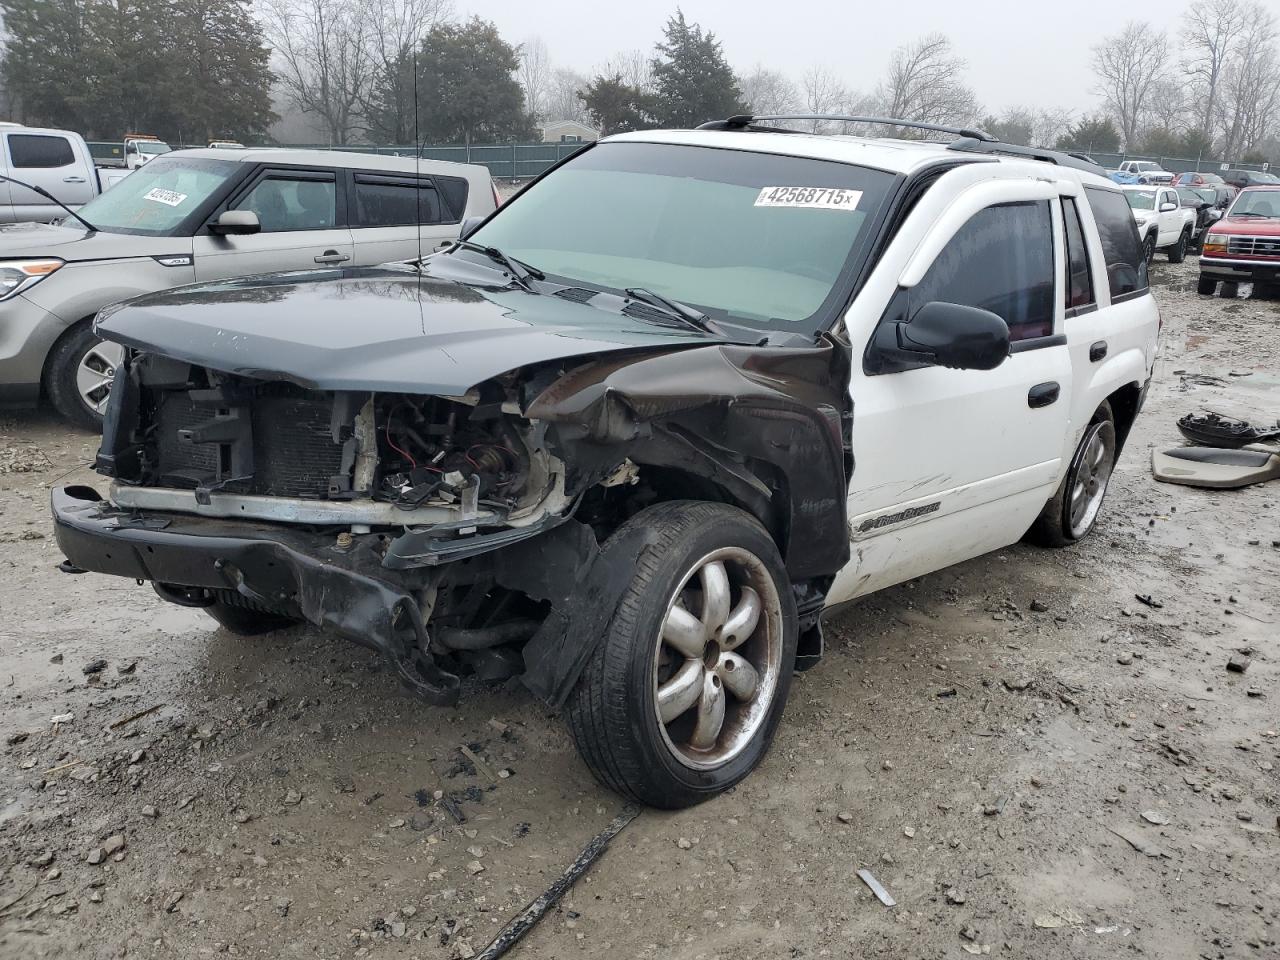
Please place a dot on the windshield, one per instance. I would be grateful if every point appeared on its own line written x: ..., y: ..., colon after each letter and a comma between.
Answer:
x: 152, y: 148
x: 156, y: 198
x: 1146, y: 166
x: 1192, y: 196
x: 1257, y: 203
x: 1141, y: 199
x: 753, y: 238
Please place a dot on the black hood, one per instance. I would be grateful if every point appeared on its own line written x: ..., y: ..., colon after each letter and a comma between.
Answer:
x: 382, y: 329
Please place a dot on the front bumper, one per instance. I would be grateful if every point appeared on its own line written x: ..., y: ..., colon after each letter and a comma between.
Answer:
x: 297, y: 573
x: 1231, y: 268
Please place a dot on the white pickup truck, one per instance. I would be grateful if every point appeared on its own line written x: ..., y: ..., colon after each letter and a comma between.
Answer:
x: 1163, y: 222
x: 58, y: 161
x: 633, y: 435
x: 1147, y: 171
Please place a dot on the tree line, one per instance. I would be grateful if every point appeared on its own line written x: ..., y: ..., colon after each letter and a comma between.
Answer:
x: 383, y: 71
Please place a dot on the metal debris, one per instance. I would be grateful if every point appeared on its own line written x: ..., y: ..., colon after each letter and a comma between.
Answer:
x: 881, y: 893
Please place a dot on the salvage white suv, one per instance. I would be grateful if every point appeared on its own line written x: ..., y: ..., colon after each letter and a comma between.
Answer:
x: 632, y: 436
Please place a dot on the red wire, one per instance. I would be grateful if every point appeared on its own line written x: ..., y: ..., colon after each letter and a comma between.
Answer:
x: 392, y: 443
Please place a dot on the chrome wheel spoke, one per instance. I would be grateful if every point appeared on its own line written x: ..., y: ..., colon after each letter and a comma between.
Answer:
x: 738, y: 676
x: 682, y: 691
x: 685, y: 632
x: 710, y: 714
x: 715, y: 595
x: 741, y: 623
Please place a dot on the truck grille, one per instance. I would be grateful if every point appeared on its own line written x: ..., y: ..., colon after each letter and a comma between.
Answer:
x: 1254, y: 246
x: 293, y: 451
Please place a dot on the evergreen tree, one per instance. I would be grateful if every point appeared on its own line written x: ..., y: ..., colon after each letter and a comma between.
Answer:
x: 467, y: 88
x: 1091, y: 133
x: 693, y: 82
x: 618, y: 107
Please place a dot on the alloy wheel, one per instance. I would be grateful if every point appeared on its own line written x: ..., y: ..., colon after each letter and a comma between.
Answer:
x: 94, y: 374
x: 1092, y: 474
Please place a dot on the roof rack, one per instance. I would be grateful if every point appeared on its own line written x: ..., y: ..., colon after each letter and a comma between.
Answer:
x: 973, y: 145
x: 970, y: 141
x: 747, y: 122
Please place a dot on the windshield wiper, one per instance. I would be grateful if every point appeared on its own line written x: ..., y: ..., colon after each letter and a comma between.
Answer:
x: 49, y: 196
x: 518, y: 269
x: 681, y: 311
x: 1249, y: 213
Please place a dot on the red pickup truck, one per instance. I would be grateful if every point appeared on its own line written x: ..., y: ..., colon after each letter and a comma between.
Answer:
x: 1245, y: 244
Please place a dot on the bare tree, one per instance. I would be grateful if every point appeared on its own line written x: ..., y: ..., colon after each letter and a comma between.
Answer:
x: 1171, y: 106
x: 394, y: 30
x: 1051, y: 124
x: 925, y: 82
x: 768, y: 91
x: 1210, y: 31
x: 322, y: 52
x: 822, y: 92
x: 1129, y: 67
x: 535, y: 77
x: 562, y: 100
x: 1251, y: 84
x: 633, y: 67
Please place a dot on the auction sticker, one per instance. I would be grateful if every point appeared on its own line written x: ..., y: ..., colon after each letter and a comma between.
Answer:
x: 812, y: 198
x: 170, y: 198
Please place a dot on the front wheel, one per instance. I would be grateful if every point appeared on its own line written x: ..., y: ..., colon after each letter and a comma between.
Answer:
x: 1149, y: 247
x: 1178, y: 252
x: 1072, y: 512
x: 78, y: 376
x: 682, y: 695
x: 1206, y: 286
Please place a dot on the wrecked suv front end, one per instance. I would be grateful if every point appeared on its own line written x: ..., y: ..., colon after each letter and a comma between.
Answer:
x: 512, y: 460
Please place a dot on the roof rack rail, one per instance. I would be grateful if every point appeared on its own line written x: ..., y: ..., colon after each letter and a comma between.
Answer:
x: 975, y: 145
x: 748, y: 122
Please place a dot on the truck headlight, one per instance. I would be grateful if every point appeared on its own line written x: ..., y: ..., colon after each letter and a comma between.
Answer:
x: 18, y: 275
x: 1215, y: 244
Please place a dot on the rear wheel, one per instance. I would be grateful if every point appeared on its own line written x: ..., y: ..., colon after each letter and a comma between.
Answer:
x: 1178, y: 252
x: 1072, y: 512
x: 1207, y: 286
x: 78, y: 376
x: 682, y: 695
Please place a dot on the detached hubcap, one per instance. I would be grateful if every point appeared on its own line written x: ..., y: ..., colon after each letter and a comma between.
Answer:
x: 718, y: 659
x: 93, y: 375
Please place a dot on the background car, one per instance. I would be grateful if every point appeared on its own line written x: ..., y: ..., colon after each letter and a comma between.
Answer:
x: 1244, y: 246
x: 206, y: 214
x: 1147, y: 171
x: 1196, y: 179
x: 1249, y: 178
x: 1163, y: 223
x: 57, y: 161
x: 1208, y: 206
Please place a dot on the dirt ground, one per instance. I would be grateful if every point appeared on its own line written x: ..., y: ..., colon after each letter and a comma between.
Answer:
x: 1031, y: 759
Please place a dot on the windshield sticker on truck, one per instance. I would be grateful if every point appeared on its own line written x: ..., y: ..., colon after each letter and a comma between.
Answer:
x: 170, y: 198
x: 811, y: 198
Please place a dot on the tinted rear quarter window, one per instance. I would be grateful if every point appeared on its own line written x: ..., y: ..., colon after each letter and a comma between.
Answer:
x: 396, y: 201
x: 1121, y: 247
x: 31, y: 151
x: 1079, y: 292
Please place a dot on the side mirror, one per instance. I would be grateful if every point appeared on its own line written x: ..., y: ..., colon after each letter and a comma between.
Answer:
x: 235, y: 222
x: 1168, y: 207
x: 956, y: 336
x: 469, y: 226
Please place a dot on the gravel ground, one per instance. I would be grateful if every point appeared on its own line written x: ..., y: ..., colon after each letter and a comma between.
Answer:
x: 1034, y: 761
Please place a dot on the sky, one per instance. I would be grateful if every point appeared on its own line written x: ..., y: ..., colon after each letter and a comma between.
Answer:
x: 1023, y: 52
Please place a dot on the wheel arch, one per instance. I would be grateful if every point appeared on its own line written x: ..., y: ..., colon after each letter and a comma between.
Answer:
x: 1125, y: 403
x: 70, y: 330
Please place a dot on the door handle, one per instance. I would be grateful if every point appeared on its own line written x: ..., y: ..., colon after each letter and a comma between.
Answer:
x: 332, y: 256
x: 1097, y: 351
x: 73, y: 179
x: 1043, y: 394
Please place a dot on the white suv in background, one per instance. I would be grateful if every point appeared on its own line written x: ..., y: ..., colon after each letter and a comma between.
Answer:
x: 208, y: 214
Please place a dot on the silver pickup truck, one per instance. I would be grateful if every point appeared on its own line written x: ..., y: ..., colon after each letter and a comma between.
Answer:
x: 54, y: 160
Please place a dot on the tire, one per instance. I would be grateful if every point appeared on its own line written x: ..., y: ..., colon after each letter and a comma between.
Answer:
x: 78, y: 374
x: 1065, y: 519
x: 1178, y: 252
x: 1207, y: 286
x: 613, y: 712
x: 1149, y: 247
x: 245, y: 621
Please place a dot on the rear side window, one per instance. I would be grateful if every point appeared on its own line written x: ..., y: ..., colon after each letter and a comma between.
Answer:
x: 395, y: 201
x: 1079, y: 288
x: 1002, y: 261
x: 30, y: 151
x: 1121, y: 247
